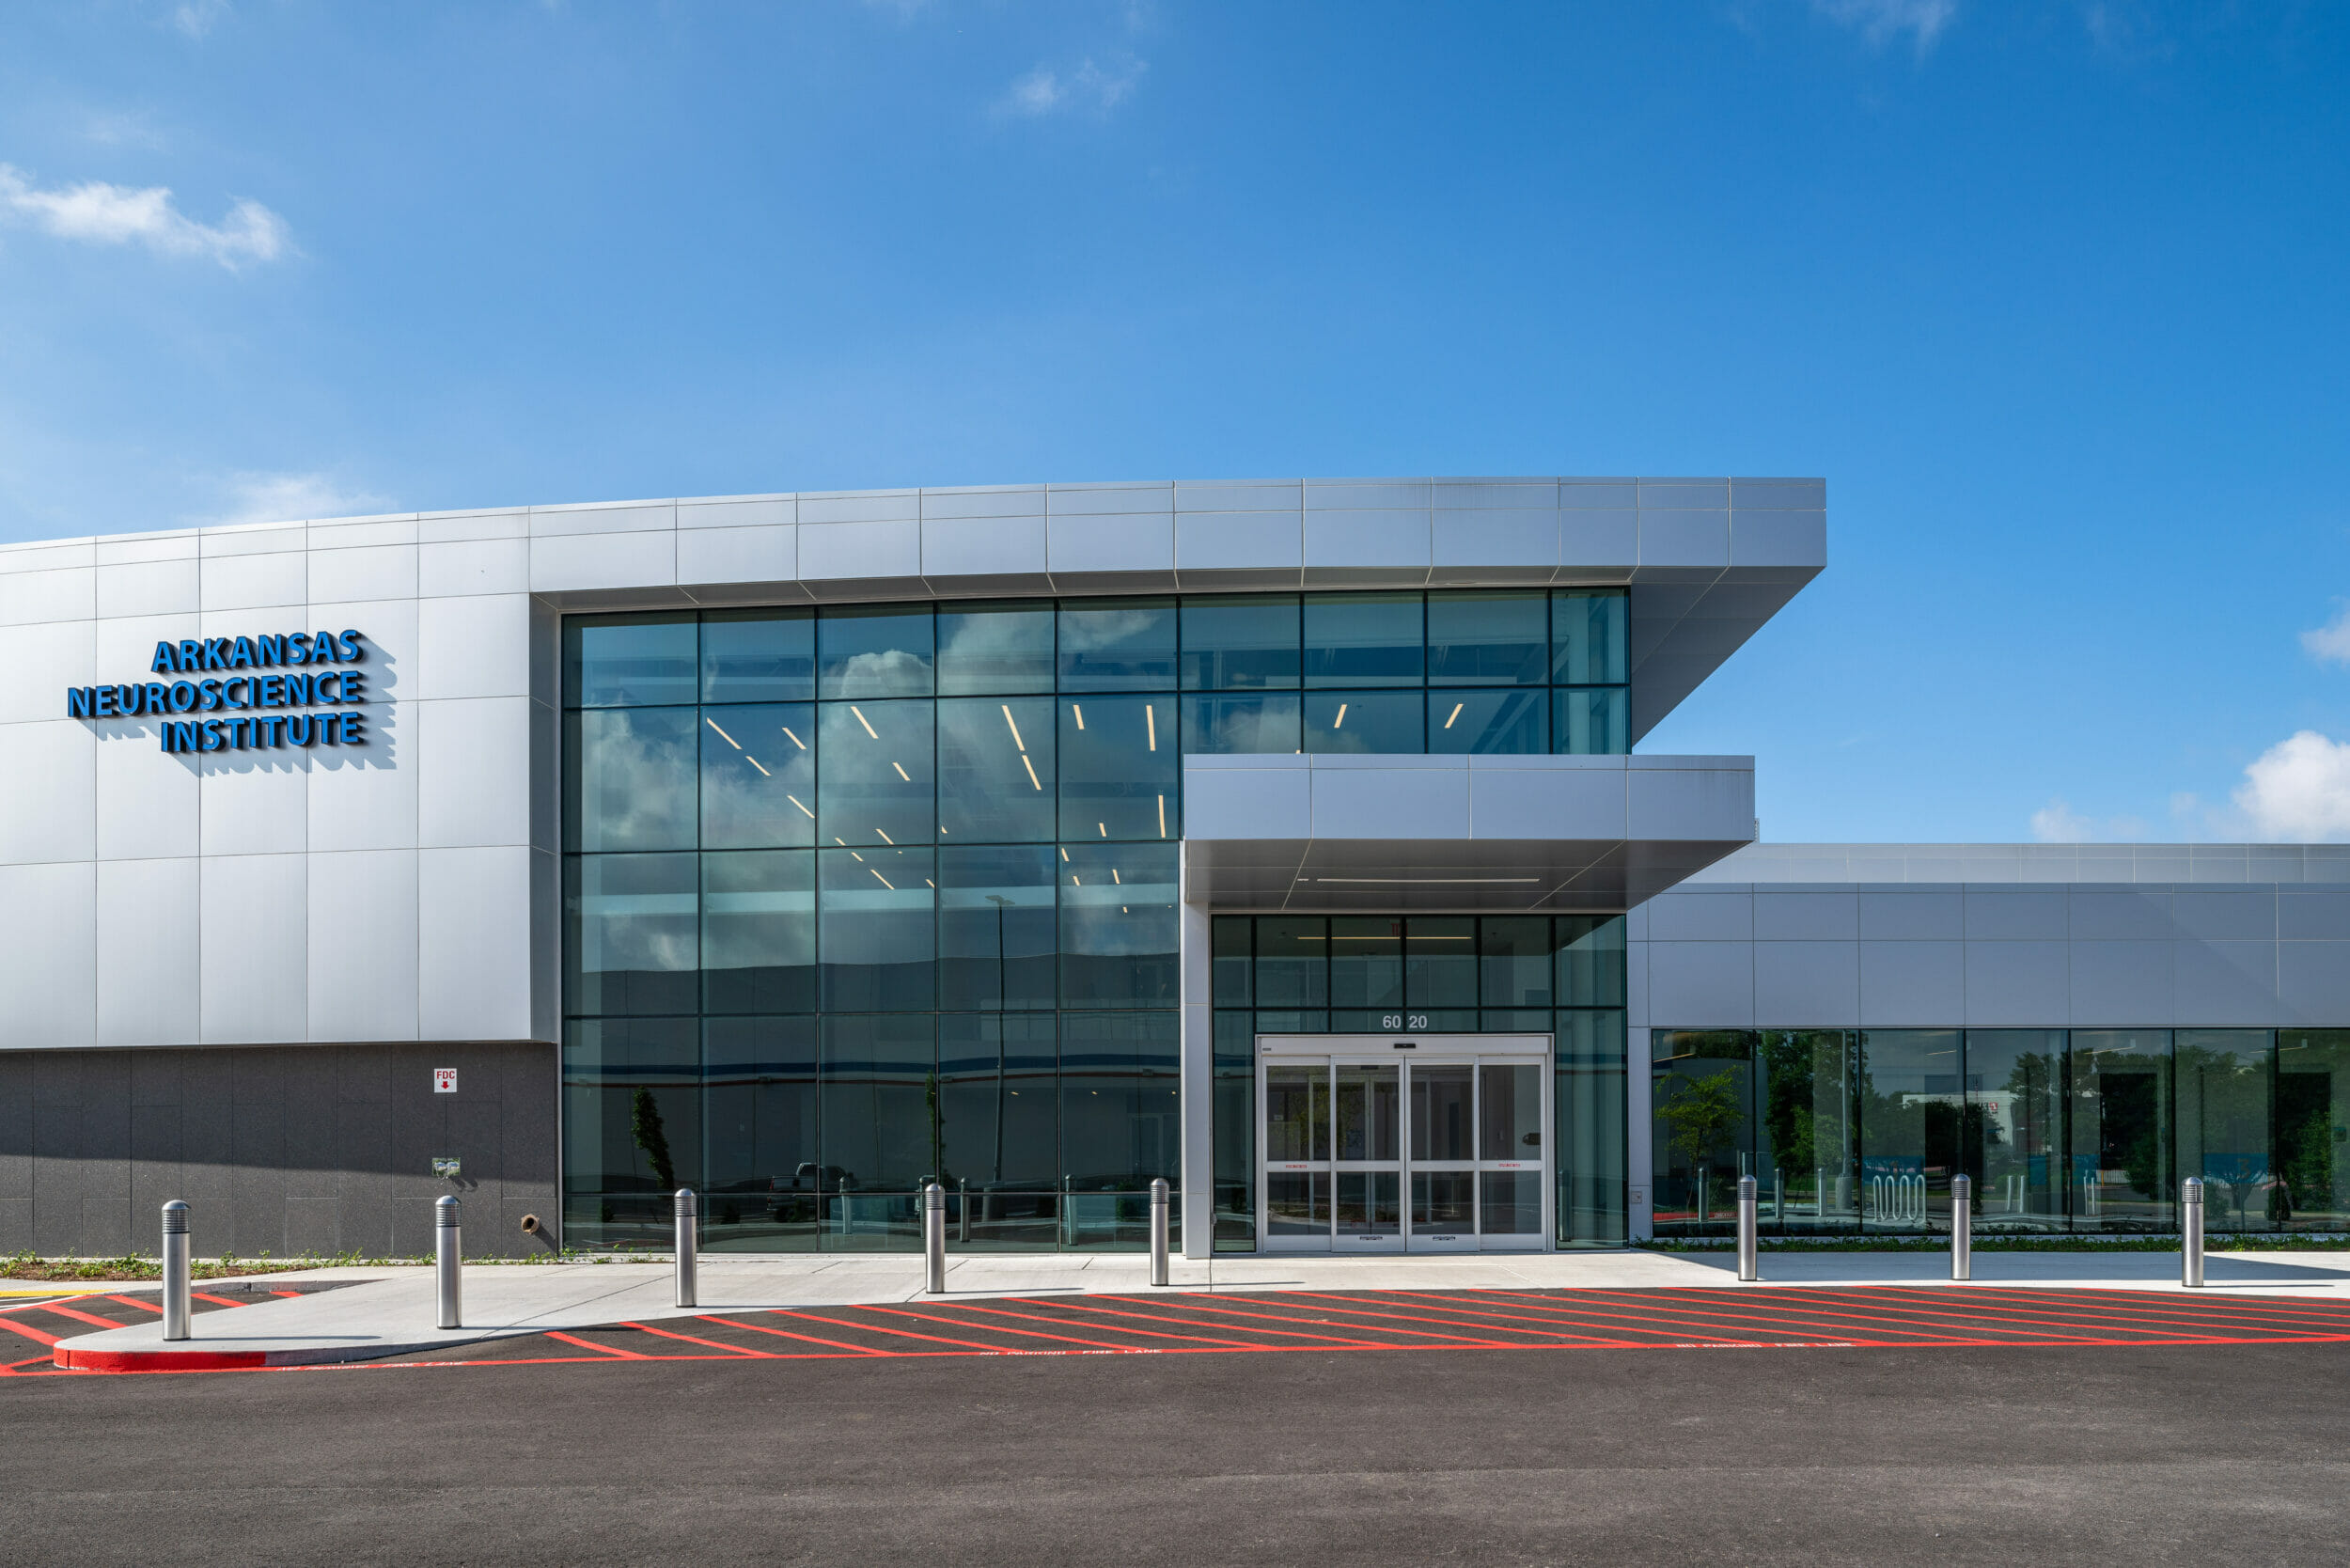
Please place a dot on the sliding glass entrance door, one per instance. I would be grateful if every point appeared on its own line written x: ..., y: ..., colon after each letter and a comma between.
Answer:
x: 1436, y: 1144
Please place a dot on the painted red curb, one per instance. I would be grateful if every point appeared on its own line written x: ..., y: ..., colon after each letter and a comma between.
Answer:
x: 158, y: 1361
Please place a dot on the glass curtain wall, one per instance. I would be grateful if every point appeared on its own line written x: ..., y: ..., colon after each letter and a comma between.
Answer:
x: 2084, y: 1130
x: 864, y: 897
x: 1453, y: 974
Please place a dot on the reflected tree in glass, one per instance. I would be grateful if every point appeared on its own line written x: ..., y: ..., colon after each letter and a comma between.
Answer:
x: 1911, y: 1102
x: 2013, y: 1134
x: 1804, y: 1156
x: 2314, y: 1127
x: 1701, y: 1116
x: 2120, y: 1131
x: 2224, y: 1110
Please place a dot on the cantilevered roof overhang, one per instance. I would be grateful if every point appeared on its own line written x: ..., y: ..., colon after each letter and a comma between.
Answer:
x: 1336, y: 835
x: 1706, y: 561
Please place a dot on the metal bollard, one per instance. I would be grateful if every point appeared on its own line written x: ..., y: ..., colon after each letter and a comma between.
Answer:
x: 2191, y: 1233
x: 935, y: 1239
x: 1961, y: 1226
x: 1158, y: 1231
x: 1748, y: 1269
x: 688, y: 1244
x: 177, y: 1311
x: 447, y: 1257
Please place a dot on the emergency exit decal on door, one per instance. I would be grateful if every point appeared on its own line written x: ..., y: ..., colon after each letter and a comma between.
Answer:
x: 445, y: 1080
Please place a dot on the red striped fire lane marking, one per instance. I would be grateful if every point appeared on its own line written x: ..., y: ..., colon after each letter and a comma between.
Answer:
x: 1154, y: 1313
x: 1723, y: 1317
x: 897, y: 1333
x: 34, y: 1334
x: 2040, y: 1315
x: 999, y: 1328
x: 713, y: 1344
x: 1341, y: 1306
x: 613, y: 1351
x: 2256, y: 1309
x: 1876, y: 1319
x: 1328, y: 1341
x: 79, y: 1317
x: 804, y: 1339
x: 1587, y: 1338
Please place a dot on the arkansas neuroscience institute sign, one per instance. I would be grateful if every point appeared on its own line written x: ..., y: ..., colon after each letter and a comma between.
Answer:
x: 234, y: 693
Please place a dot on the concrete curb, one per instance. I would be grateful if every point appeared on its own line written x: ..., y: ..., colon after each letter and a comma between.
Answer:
x: 68, y: 1358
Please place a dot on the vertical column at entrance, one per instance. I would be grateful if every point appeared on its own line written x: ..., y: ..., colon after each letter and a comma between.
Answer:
x: 1197, y: 1081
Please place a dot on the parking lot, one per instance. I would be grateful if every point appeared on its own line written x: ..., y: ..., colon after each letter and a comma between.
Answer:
x: 1890, y: 1425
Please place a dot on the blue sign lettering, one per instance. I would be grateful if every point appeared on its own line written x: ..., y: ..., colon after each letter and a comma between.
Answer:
x: 290, y: 686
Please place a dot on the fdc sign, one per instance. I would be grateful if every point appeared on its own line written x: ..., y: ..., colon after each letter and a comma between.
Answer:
x: 251, y: 693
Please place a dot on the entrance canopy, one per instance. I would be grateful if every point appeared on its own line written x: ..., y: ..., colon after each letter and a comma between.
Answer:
x: 1316, y: 834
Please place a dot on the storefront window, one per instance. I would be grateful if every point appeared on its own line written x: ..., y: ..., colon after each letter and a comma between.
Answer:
x: 836, y: 876
x: 2119, y: 1154
x: 1807, y: 1160
x: 2313, y: 1128
x: 2222, y: 1078
x: 2087, y: 1131
x: 2013, y: 1135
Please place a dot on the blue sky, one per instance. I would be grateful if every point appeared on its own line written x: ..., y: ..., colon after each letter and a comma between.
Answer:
x: 2052, y: 293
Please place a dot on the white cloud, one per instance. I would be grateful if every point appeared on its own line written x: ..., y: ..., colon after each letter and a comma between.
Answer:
x: 1880, y: 21
x: 2329, y: 644
x: 294, y: 498
x: 2298, y: 790
x: 104, y: 214
x: 1090, y: 87
x: 2056, y: 822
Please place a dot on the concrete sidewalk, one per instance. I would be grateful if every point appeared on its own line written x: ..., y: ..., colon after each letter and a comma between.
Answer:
x: 391, y: 1312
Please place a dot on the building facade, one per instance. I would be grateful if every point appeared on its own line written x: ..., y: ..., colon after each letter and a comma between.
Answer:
x: 2075, y: 1027
x: 1288, y: 840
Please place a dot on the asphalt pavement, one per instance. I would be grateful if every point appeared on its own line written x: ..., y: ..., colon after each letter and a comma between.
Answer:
x: 2113, y: 1453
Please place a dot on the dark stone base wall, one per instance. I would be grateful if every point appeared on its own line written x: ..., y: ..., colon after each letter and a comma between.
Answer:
x: 280, y: 1149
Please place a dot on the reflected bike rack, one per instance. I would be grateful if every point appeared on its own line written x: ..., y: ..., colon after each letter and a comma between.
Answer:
x: 1897, y: 1200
